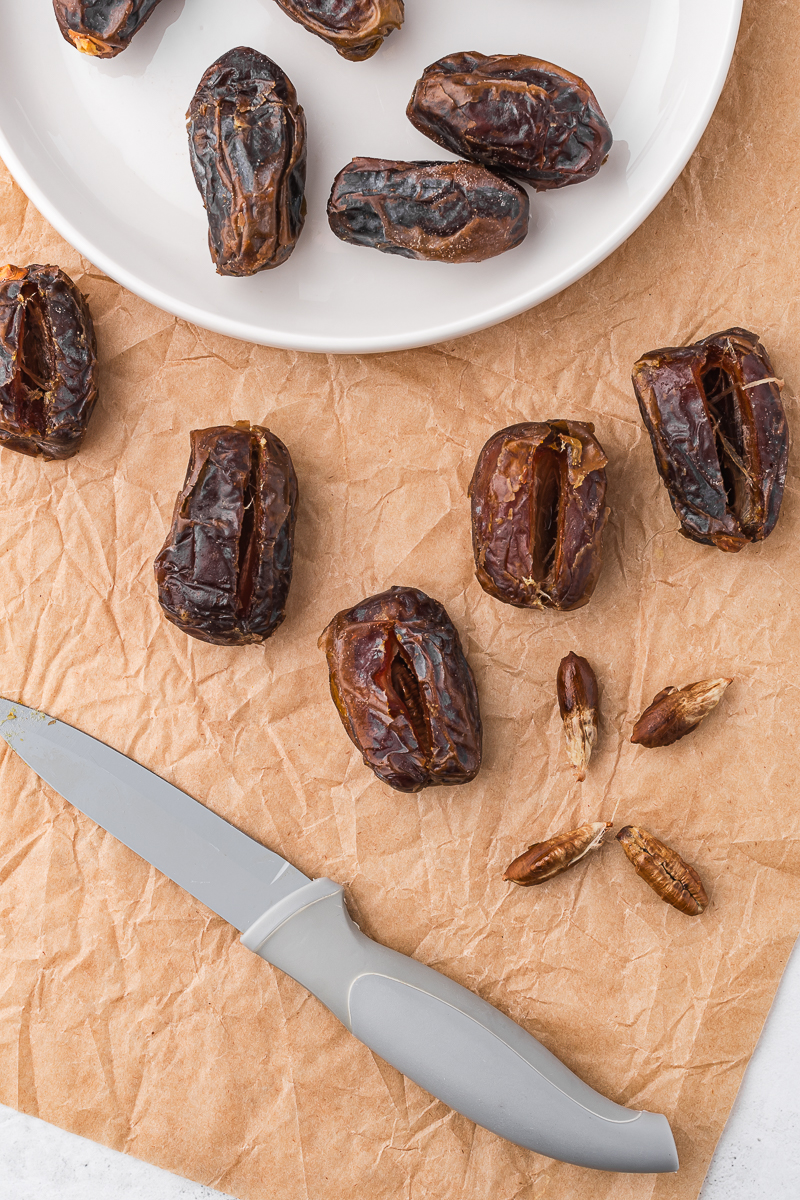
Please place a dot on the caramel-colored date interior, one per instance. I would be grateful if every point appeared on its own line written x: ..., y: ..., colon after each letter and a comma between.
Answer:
x: 722, y: 404
x: 37, y: 362
x: 248, y: 541
x: 548, y: 472
x: 406, y: 686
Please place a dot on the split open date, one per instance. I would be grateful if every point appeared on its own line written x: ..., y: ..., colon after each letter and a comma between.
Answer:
x: 48, y: 362
x: 224, y: 571
x: 453, y: 212
x: 719, y: 433
x: 538, y: 514
x: 404, y: 690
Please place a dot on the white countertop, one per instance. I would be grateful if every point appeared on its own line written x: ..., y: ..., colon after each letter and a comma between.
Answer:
x: 758, y: 1157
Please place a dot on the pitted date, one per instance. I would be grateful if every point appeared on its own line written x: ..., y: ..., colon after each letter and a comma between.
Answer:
x: 356, y: 28
x: 538, y: 514
x: 48, y: 362
x: 451, y: 212
x: 718, y: 428
x: 404, y: 690
x: 102, y: 28
x: 515, y: 114
x: 247, y: 140
x: 224, y: 571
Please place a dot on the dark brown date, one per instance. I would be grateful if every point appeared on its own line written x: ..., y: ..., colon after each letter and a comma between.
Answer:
x: 48, y: 362
x: 356, y: 28
x: 404, y: 690
x: 718, y: 428
x: 538, y: 514
x: 516, y: 114
x: 247, y: 140
x: 102, y: 28
x: 224, y: 571
x: 452, y: 212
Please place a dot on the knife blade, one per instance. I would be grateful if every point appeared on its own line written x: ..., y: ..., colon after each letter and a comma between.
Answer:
x: 234, y: 875
x: 444, y: 1037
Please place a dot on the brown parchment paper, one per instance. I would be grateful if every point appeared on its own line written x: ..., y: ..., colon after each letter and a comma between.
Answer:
x: 128, y: 1012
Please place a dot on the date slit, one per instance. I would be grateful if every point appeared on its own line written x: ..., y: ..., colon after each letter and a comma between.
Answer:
x: 546, y: 511
x: 35, y: 362
x: 723, y: 408
x: 409, y: 692
x: 248, y: 549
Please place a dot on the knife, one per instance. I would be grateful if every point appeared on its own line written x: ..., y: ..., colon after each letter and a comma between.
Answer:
x: 442, y: 1036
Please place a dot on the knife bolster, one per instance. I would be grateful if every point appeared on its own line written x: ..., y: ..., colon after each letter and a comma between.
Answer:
x: 311, y: 936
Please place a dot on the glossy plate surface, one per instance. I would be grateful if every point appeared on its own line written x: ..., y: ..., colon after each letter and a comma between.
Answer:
x: 100, y: 148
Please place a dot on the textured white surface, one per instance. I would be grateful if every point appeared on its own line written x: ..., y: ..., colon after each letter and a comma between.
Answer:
x: 758, y: 1157
x: 100, y: 148
x: 40, y: 1162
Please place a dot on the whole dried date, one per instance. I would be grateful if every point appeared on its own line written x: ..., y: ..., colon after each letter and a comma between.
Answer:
x: 538, y: 514
x: 675, y: 712
x: 404, y: 690
x: 48, y: 362
x: 517, y: 114
x: 718, y: 428
x: 452, y: 212
x: 356, y: 28
x: 102, y: 28
x: 247, y: 140
x: 224, y: 571
x: 664, y: 870
x: 576, y: 685
x: 543, y: 860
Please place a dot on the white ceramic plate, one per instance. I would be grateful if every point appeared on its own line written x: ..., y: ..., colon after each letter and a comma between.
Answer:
x: 100, y: 148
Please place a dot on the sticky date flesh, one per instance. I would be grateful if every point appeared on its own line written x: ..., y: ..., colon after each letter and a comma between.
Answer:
x: 356, y: 28
x: 48, y: 362
x: 103, y: 28
x: 437, y: 211
x: 719, y: 434
x: 224, y: 571
x: 247, y: 141
x: 538, y: 514
x: 404, y: 690
x: 513, y: 113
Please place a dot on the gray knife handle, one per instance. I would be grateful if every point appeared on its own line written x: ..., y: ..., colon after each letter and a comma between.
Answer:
x: 452, y: 1043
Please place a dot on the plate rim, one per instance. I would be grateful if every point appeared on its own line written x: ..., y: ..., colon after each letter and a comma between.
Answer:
x: 382, y: 343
